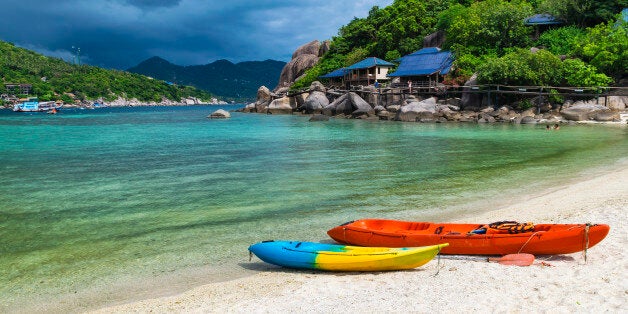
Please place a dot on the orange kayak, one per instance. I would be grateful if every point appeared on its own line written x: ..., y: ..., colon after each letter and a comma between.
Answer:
x: 472, y: 239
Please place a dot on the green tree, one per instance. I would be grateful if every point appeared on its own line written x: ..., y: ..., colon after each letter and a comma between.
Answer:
x: 583, y: 12
x: 563, y: 40
x: 577, y: 73
x: 487, y: 24
x: 605, y: 46
x: 522, y: 67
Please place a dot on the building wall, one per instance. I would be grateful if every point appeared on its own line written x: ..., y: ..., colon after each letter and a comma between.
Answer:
x: 381, y: 72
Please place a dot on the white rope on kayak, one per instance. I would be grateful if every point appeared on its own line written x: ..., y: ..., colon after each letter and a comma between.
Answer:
x: 530, y: 238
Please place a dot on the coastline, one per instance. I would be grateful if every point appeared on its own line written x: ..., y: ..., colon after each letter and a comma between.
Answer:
x: 565, y: 283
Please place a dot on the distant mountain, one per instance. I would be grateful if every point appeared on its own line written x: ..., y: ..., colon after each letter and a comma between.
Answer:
x: 221, y: 78
x: 55, y: 79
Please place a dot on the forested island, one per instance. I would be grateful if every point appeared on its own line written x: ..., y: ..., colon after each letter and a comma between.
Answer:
x: 52, y: 79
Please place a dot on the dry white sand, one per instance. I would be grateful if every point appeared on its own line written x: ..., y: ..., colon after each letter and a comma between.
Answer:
x: 564, y: 284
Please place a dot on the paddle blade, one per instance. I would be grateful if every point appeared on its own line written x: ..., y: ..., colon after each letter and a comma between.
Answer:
x: 520, y: 259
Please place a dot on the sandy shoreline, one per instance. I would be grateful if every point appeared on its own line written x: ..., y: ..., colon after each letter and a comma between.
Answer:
x: 568, y: 284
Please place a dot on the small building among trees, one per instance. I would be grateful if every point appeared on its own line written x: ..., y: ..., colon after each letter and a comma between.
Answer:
x: 368, y: 71
x: 335, y: 78
x: 542, y: 23
x: 18, y: 89
x: 424, y: 68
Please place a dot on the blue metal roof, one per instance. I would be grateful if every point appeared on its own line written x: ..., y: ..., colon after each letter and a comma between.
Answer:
x: 335, y: 74
x: 425, y: 51
x: 541, y: 19
x: 426, y: 61
x: 369, y: 63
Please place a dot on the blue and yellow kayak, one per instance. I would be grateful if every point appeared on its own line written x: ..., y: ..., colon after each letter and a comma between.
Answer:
x: 334, y: 257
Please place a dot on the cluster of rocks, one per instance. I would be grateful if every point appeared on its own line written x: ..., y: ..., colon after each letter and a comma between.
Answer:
x: 134, y: 102
x: 368, y: 103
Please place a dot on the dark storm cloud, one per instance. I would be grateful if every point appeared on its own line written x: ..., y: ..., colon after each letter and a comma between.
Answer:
x: 121, y: 33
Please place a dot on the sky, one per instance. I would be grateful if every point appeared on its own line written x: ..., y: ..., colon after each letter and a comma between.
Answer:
x: 121, y: 33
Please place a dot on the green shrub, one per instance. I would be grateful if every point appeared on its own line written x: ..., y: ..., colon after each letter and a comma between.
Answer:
x: 606, y: 47
x: 562, y: 41
x: 577, y: 73
x: 522, y: 67
x: 489, y: 24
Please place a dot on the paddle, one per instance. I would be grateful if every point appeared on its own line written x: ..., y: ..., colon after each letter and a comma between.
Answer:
x: 519, y: 259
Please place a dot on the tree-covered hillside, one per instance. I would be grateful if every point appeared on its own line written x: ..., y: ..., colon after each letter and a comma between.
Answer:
x: 55, y: 79
x: 223, y: 78
x: 490, y: 38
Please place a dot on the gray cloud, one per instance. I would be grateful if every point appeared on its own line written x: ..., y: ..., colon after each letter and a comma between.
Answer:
x: 121, y: 33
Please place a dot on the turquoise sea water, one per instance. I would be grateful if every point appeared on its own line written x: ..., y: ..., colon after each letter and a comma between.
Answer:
x: 105, y: 206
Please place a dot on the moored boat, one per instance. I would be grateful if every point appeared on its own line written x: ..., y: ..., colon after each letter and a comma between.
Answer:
x: 334, y: 257
x: 472, y: 239
x: 34, y: 105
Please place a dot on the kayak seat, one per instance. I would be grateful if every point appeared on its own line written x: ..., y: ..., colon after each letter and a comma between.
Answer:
x: 419, y: 226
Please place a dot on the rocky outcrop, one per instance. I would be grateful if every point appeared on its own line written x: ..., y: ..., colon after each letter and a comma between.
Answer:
x: 583, y: 111
x: 303, y: 58
x: 616, y: 103
x: 264, y: 98
x: 469, y: 99
x: 349, y: 104
x: 415, y: 110
x: 280, y: 106
x: 220, y: 114
x: 435, y: 39
x: 315, y: 102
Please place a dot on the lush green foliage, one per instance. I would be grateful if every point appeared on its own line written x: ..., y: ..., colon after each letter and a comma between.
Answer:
x: 578, y: 73
x: 491, y: 24
x: 605, y: 46
x: 53, y: 78
x: 386, y: 33
x: 490, y: 37
x: 583, y: 12
x: 522, y: 67
x: 562, y: 41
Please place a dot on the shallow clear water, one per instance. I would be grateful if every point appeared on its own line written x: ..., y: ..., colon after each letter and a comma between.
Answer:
x: 97, y: 205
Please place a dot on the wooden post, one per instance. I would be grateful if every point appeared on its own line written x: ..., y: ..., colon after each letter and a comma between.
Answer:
x: 538, y: 105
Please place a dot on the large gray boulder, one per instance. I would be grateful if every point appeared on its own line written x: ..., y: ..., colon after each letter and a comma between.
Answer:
x: 581, y: 111
x: 349, y: 104
x: 315, y: 102
x: 317, y: 86
x: 220, y: 114
x: 311, y: 48
x: 303, y: 58
x: 607, y: 116
x: 528, y: 120
x: 435, y: 39
x: 300, y: 99
x: 325, y: 45
x: 415, y: 110
x: 371, y: 95
x: 264, y: 98
x: 617, y: 103
x: 280, y: 106
x: 471, y: 100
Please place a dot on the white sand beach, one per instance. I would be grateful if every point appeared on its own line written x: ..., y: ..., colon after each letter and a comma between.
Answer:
x: 558, y: 284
